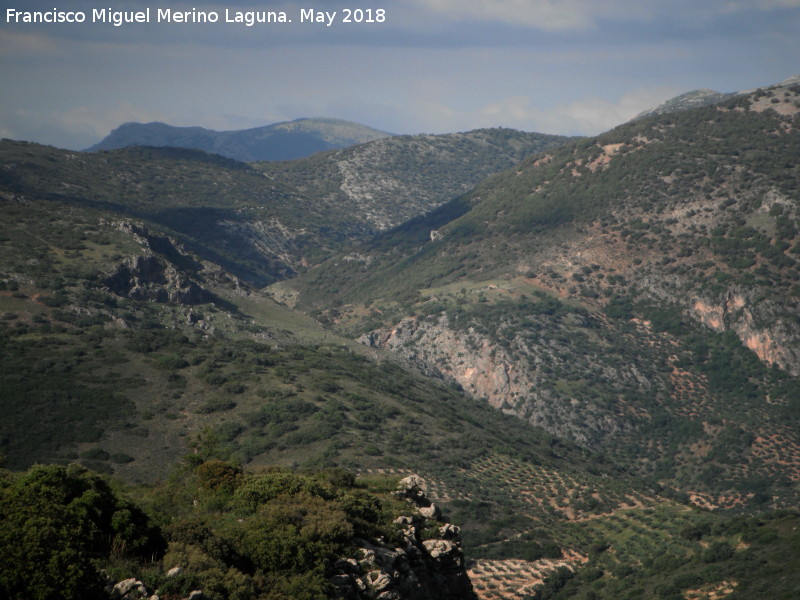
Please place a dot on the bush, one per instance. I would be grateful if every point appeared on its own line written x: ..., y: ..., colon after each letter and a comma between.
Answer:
x: 219, y: 476
x: 717, y: 551
x: 295, y: 534
x: 121, y: 458
x: 260, y: 489
x: 170, y: 362
x: 215, y: 405
x: 57, y: 521
x: 95, y: 454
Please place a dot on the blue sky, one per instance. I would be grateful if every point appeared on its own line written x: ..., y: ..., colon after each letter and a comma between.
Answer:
x: 555, y: 66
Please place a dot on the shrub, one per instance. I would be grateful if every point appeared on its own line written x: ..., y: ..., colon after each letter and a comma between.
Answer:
x: 215, y: 405
x: 260, y: 489
x: 219, y: 476
x: 57, y: 521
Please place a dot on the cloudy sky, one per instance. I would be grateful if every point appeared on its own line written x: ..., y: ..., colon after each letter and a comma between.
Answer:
x: 555, y: 66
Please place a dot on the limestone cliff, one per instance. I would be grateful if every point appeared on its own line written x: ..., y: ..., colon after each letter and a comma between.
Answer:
x: 515, y: 378
x: 762, y: 326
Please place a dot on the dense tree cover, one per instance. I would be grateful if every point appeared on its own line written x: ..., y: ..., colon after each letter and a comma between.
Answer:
x: 271, y: 534
x: 57, y: 524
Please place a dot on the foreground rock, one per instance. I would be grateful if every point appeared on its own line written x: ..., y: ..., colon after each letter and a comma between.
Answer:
x: 416, y: 568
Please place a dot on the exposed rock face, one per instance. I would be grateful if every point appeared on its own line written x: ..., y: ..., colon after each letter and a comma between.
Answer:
x: 152, y: 278
x: 481, y: 370
x: 412, y: 488
x: 154, y: 275
x: 268, y: 241
x: 419, y: 569
x: 765, y: 331
x: 509, y: 383
x: 133, y: 589
x: 687, y: 101
x: 768, y: 328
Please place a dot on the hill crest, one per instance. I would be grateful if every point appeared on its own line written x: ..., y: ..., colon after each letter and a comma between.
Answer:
x: 279, y: 141
x: 706, y: 97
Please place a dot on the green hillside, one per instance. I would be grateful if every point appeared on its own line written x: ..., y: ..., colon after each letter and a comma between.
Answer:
x: 389, y: 181
x: 589, y: 363
x: 634, y: 292
x: 123, y: 352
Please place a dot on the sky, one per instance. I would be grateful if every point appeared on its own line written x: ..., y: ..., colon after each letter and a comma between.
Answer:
x: 573, y: 67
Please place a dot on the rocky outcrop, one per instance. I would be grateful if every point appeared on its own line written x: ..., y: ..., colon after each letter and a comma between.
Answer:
x: 268, y: 241
x: 471, y: 360
x: 416, y: 568
x: 129, y: 589
x: 511, y: 378
x: 152, y: 278
x: 415, y: 564
x: 133, y: 589
x: 767, y: 327
x: 159, y: 273
x: 412, y: 488
x: 762, y: 326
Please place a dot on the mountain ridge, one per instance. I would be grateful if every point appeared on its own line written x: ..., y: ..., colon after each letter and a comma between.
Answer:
x: 394, y: 179
x: 279, y: 141
x: 267, y: 221
x: 706, y: 97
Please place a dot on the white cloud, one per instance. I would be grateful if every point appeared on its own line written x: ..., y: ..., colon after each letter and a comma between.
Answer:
x: 594, y: 115
x: 514, y: 109
x: 545, y: 15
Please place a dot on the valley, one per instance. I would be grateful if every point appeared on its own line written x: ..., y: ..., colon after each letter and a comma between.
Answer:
x: 585, y: 348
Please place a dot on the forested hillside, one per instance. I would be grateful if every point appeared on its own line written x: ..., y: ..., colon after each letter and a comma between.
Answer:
x: 635, y: 292
x: 395, y: 179
x: 578, y: 379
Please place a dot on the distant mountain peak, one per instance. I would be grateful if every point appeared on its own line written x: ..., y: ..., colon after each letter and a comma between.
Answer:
x: 686, y: 101
x: 793, y: 80
x: 706, y: 97
x: 280, y: 141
